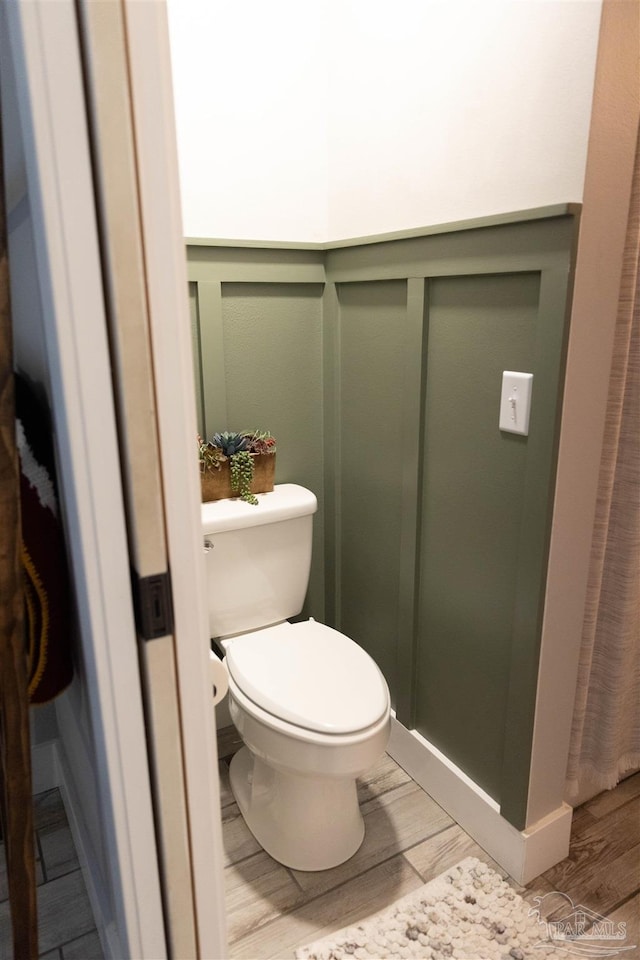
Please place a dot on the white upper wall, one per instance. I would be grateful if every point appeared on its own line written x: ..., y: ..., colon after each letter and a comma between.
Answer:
x: 343, y: 118
x: 250, y: 101
x: 441, y: 111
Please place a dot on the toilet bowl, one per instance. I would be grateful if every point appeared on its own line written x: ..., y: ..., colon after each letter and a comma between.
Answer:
x: 313, y: 711
x: 310, y: 705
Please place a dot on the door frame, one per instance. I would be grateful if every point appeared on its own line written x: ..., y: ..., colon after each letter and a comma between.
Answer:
x: 44, y: 38
x: 166, y: 270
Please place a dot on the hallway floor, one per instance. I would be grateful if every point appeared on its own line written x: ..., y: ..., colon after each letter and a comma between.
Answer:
x: 409, y: 840
x: 66, y: 928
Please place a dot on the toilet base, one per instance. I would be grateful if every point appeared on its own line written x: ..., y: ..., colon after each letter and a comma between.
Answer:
x: 303, y: 822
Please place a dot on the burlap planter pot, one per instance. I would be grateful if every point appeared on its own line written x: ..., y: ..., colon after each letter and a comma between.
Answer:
x: 216, y: 484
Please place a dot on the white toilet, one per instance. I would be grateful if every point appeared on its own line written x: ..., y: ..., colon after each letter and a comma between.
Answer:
x: 310, y: 705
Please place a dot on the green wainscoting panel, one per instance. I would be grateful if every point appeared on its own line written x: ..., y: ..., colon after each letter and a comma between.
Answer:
x: 548, y: 364
x: 413, y: 393
x: 272, y: 338
x: 377, y: 363
x: 237, y: 263
x: 472, y: 502
x: 214, y: 394
x: 373, y: 320
x: 332, y: 407
x: 511, y: 247
x: 197, y: 356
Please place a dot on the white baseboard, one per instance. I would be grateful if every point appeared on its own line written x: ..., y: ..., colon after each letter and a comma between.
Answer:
x: 524, y: 854
x: 89, y: 863
x: 45, y: 774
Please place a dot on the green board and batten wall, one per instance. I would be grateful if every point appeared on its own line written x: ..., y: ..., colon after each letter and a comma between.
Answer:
x: 377, y: 364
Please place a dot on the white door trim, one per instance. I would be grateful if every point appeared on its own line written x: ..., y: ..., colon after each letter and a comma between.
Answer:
x: 165, y: 262
x: 603, y: 226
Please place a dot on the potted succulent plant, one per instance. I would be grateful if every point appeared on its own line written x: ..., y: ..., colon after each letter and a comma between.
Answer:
x: 237, y: 465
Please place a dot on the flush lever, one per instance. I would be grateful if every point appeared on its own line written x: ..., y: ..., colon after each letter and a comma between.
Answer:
x: 208, y: 545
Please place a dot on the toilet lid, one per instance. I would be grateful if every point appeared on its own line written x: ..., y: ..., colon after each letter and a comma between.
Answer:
x: 309, y: 675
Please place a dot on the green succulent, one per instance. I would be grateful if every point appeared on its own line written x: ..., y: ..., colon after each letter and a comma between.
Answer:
x: 211, y: 457
x: 241, y: 473
x: 229, y: 443
x: 259, y: 441
x: 241, y: 450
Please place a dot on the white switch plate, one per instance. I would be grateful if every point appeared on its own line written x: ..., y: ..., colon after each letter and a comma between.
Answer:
x: 515, y: 402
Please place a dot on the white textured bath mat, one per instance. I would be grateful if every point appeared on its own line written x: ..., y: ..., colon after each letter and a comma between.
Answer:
x: 467, y: 913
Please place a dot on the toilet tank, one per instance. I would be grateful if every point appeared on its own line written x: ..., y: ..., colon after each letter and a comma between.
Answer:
x: 257, y: 558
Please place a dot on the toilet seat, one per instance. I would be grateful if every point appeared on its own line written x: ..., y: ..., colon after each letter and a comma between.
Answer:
x: 243, y: 709
x: 309, y: 675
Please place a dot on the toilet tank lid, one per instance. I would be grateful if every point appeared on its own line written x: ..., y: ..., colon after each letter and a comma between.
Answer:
x: 285, y: 502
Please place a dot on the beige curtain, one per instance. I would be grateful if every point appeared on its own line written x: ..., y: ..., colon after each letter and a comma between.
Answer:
x: 605, y: 742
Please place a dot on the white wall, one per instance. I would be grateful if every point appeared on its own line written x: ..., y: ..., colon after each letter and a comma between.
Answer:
x: 342, y: 118
x: 250, y: 96
x: 457, y: 109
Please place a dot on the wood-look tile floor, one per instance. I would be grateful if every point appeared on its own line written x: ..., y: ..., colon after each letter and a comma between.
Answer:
x: 409, y: 840
x: 66, y: 928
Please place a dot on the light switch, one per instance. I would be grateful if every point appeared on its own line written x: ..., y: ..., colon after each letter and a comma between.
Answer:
x: 515, y: 402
